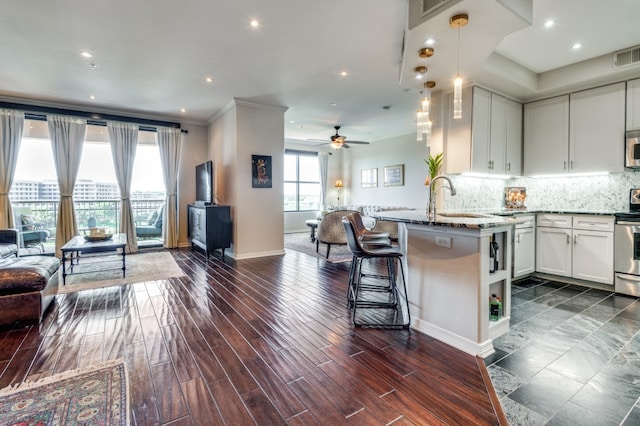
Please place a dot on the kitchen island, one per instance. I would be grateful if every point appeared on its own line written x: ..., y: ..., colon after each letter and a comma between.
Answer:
x: 450, y: 278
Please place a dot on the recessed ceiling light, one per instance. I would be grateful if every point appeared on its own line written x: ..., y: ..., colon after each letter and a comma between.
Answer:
x: 549, y: 23
x: 430, y: 41
x: 344, y: 73
x: 209, y: 79
x: 92, y: 97
x: 333, y: 104
x: 254, y: 23
x: 183, y: 110
x: 576, y: 46
x: 86, y: 54
x: 292, y: 121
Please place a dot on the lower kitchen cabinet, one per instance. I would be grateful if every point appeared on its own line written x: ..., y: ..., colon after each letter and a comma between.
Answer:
x: 578, y: 246
x: 524, y: 248
x: 553, y: 251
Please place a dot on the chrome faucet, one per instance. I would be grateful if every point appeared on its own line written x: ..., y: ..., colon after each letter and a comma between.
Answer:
x: 431, y: 213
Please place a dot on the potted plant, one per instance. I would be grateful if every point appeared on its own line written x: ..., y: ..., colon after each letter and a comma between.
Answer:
x: 434, y: 164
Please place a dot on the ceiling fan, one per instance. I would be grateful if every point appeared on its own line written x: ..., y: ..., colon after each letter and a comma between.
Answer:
x: 338, y: 141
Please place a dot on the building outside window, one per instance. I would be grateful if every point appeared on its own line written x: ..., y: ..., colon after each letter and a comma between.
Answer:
x: 301, y: 181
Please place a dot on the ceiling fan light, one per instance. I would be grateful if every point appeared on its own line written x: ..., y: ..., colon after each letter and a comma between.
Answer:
x: 336, y: 144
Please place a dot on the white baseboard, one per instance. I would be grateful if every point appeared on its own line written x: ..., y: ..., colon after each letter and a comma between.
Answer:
x: 482, y: 349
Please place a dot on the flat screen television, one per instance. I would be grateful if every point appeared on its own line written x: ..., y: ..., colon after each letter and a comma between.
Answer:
x: 204, y: 183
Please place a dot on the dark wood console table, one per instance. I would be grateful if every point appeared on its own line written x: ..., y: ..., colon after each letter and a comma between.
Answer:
x: 209, y: 227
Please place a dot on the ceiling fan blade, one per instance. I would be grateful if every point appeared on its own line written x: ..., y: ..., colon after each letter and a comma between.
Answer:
x: 344, y: 145
x: 360, y: 142
x: 317, y: 140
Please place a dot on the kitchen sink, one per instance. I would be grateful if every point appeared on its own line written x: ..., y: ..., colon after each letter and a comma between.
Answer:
x: 465, y: 215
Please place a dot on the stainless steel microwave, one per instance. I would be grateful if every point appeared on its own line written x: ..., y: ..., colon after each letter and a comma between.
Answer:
x: 632, y: 156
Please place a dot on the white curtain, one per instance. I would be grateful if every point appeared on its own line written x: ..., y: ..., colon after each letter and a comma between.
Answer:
x: 323, y: 161
x: 169, y: 142
x: 67, y: 138
x: 11, y: 124
x: 124, y: 141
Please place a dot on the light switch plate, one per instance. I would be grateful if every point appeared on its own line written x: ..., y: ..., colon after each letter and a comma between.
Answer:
x: 443, y: 241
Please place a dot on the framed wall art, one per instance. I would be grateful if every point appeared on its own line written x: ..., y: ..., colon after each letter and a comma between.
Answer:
x: 369, y: 178
x: 394, y: 175
x: 261, y: 171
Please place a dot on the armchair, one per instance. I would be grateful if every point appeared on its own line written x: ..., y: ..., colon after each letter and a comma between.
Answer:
x: 152, y: 227
x: 31, y: 233
x: 331, y: 230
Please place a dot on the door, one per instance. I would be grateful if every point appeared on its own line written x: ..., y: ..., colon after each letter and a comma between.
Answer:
x: 597, y: 129
x: 553, y: 251
x: 546, y: 136
x: 593, y: 256
x: 524, y: 252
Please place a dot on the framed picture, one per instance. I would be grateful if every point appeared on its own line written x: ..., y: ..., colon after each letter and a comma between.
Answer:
x: 261, y: 171
x: 369, y: 178
x: 394, y: 175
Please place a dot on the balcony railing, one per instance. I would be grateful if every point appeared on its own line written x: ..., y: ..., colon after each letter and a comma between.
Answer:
x: 105, y: 212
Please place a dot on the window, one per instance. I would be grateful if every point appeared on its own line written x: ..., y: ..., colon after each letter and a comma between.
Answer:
x: 301, y: 181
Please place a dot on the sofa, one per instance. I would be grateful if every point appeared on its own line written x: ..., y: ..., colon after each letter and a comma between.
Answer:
x: 369, y: 222
x: 28, y: 285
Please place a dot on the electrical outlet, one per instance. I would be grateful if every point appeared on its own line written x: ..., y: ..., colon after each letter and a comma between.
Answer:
x: 443, y: 242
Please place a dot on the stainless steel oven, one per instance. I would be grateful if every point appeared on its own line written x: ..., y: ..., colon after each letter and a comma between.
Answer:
x: 627, y: 248
x: 627, y: 258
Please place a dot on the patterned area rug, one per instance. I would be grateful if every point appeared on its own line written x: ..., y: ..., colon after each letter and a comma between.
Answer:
x: 141, y: 267
x: 98, y: 395
x: 301, y: 242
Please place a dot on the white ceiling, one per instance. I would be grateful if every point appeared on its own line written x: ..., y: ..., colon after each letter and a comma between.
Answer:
x: 151, y: 58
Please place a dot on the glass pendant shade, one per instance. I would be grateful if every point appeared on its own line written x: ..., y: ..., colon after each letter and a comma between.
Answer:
x: 457, y: 97
x: 419, y: 125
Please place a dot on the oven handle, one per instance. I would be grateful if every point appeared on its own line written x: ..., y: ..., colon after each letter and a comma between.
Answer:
x: 628, y: 223
x: 633, y: 278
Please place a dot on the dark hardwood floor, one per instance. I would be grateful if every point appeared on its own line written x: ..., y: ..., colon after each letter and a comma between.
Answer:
x: 262, y: 341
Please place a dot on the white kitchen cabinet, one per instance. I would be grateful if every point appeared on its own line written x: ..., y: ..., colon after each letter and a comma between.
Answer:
x: 596, y: 132
x: 553, y: 251
x: 481, y: 131
x: 514, y: 138
x: 488, y: 139
x: 524, y: 247
x: 546, y: 136
x: 593, y: 248
x: 578, y: 133
x: 633, y: 104
x: 578, y: 246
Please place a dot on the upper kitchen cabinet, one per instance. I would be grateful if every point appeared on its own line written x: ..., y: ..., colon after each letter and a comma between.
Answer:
x: 633, y: 104
x: 546, y: 136
x: 578, y: 133
x: 488, y: 138
x: 596, y: 131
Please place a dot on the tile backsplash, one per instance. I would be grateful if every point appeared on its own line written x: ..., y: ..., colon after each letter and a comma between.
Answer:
x: 589, y: 193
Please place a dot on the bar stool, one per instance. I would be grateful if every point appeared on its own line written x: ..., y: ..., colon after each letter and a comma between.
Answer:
x: 371, y: 240
x: 358, y: 289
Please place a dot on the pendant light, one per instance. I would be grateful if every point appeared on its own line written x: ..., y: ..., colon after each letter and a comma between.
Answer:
x: 423, y: 119
x: 458, y: 21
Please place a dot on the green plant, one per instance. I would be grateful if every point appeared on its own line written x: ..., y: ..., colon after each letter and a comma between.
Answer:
x: 434, y: 164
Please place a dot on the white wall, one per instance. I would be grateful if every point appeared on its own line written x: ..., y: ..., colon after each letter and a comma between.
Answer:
x: 404, y: 150
x: 241, y: 130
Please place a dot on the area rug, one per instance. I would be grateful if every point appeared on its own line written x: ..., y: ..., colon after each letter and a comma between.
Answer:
x: 301, y: 242
x: 98, y: 395
x: 141, y: 267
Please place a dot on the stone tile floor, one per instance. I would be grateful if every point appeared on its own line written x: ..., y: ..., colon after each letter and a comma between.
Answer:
x: 572, y: 356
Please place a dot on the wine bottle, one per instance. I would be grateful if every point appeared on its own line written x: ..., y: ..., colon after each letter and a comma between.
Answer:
x: 492, y: 256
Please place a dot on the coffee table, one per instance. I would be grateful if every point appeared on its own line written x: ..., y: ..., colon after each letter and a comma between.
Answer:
x: 71, y: 252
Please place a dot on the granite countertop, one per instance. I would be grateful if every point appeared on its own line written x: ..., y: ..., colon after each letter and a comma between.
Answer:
x: 450, y: 219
